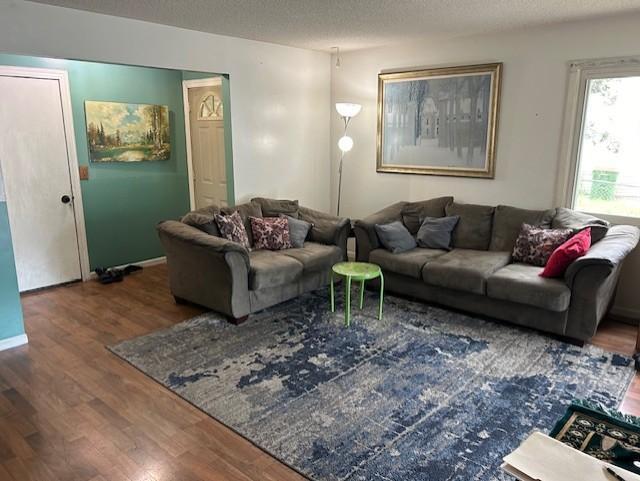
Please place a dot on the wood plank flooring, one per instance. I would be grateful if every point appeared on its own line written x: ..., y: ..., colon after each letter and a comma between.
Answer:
x: 72, y: 411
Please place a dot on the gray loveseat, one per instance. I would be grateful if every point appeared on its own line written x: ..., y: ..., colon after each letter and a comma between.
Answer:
x: 477, y: 275
x: 207, y: 270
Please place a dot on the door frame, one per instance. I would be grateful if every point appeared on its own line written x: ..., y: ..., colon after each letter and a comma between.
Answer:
x: 186, y: 85
x: 72, y: 154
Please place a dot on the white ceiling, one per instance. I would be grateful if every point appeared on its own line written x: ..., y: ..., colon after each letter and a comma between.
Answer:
x: 351, y: 24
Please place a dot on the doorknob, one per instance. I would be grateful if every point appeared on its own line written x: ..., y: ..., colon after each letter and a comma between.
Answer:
x: 65, y: 199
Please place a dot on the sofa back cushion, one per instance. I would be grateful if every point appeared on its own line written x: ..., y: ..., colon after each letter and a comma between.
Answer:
x: 275, y: 207
x: 508, y: 220
x: 473, y: 230
x: 203, y: 221
x: 571, y: 219
x: 413, y: 213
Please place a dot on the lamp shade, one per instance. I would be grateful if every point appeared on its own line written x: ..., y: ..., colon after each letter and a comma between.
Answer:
x: 346, y: 109
x: 345, y: 143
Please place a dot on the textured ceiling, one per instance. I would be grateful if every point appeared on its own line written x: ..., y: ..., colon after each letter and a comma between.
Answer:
x: 351, y: 24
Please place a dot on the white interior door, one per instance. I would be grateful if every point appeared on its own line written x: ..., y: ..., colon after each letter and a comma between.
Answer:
x: 35, y: 163
x: 207, y: 146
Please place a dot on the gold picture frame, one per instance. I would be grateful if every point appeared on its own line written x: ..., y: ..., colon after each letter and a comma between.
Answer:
x: 440, y: 121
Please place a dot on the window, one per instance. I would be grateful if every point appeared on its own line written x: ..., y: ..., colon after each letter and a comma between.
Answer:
x: 606, y: 144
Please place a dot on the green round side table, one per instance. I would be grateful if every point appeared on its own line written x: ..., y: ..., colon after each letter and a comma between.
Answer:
x: 356, y: 271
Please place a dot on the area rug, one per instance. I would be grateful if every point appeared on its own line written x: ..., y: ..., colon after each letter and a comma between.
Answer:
x: 424, y: 394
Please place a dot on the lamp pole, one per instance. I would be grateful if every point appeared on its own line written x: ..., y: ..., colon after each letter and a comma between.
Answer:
x: 344, y: 133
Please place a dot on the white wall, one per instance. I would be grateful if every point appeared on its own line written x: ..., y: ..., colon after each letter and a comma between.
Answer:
x: 280, y: 96
x: 531, y: 115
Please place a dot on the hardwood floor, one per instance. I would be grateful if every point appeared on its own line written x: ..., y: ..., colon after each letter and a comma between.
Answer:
x: 70, y: 410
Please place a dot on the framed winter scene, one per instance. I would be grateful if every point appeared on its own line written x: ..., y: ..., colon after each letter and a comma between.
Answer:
x: 123, y: 132
x: 439, y: 121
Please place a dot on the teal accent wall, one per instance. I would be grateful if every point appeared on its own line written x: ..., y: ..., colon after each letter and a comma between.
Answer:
x: 124, y: 201
x: 11, y: 323
x: 228, y: 146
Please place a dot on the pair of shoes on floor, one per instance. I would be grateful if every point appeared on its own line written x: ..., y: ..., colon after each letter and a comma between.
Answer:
x: 111, y: 275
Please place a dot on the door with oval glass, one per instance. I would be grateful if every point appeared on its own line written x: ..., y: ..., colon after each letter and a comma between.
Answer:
x: 206, y: 132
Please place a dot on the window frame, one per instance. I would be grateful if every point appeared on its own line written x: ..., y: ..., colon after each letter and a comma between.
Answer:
x: 580, y: 73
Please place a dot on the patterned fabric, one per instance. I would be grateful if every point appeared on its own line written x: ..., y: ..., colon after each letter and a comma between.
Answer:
x: 232, y: 228
x: 605, y: 434
x: 270, y: 233
x: 423, y: 394
x: 535, y: 245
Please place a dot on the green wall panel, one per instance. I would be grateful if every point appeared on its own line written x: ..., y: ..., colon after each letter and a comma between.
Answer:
x: 124, y: 201
x: 10, y: 309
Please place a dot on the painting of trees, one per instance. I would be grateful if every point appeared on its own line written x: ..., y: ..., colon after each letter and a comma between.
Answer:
x: 439, y: 120
x: 121, y: 132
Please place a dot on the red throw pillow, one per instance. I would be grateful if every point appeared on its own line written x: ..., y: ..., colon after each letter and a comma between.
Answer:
x: 564, y: 255
x: 270, y: 233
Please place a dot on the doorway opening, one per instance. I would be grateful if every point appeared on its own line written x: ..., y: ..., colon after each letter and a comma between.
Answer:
x: 209, y: 159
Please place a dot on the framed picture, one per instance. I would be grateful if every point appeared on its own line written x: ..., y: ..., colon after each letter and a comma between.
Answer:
x: 439, y: 121
x: 121, y: 132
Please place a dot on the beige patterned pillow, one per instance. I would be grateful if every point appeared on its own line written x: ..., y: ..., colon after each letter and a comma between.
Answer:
x: 535, y: 245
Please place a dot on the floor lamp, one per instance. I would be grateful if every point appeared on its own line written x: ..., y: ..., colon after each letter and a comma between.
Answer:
x: 347, y: 111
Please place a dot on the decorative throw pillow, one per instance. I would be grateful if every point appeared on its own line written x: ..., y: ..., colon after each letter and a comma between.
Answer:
x: 575, y: 247
x: 298, y: 230
x: 435, y: 232
x: 535, y: 245
x: 270, y: 233
x: 395, y: 237
x: 232, y: 228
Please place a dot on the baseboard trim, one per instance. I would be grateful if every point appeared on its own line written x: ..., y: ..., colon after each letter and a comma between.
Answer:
x: 146, y: 263
x: 626, y: 313
x: 14, y: 341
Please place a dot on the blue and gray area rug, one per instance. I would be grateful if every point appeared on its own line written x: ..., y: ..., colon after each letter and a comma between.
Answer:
x: 424, y: 394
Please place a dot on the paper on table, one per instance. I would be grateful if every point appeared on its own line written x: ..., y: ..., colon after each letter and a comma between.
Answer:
x: 543, y: 458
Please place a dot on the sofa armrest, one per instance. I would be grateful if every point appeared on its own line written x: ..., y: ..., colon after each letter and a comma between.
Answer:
x: 366, y: 237
x: 593, y: 279
x: 327, y: 228
x: 206, y: 269
x: 606, y: 254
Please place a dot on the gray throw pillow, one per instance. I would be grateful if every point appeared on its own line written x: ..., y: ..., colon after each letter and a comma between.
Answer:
x: 395, y: 237
x: 435, y: 232
x: 298, y: 230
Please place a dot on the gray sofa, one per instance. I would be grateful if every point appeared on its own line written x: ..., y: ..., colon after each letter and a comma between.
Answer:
x: 477, y: 275
x: 207, y: 270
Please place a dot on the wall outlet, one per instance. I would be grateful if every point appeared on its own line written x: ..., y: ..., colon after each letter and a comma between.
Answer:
x: 84, y: 172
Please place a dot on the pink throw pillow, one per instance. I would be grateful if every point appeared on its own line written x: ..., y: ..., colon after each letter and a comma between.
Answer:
x: 564, y: 255
x: 271, y: 233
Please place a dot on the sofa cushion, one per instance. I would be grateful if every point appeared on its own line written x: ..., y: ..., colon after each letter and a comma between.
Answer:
x: 315, y: 257
x: 473, y: 230
x: 465, y: 269
x: 270, y: 269
x: 414, y: 212
x: 522, y: 283
x: 435, y: 232
x: 507, y: 221
x: 298, y: 230
x: 249, y: 209
x: 571, y: 219
x: 535, y: 245
x: 395, y: 237
x: 275, y: 207
x: 408, y: 263
x: 232, y: 228
x: 204, y: 222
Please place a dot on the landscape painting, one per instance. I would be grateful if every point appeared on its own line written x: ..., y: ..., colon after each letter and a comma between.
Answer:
x: 440, y: 121
x: 121, y: 132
